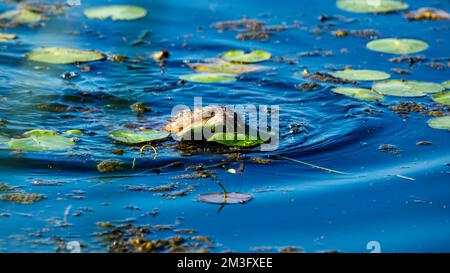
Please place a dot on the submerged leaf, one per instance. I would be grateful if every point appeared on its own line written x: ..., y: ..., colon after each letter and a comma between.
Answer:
x: 225, y: 198
x: 397, y: 46
x: 235, y: 140
x: 358, y: 93
x: 239, y: 56
x: 57, y: 55
x: 442, y: 97
x: 135, y: 137
x: 38, y: 140
x: 361, y: 75
x: 4, y: 37
x: 209, y: 77
x: 401, y: 88
x: 441, y: 123
x: 116, y: 12
x: 221, y: 66
x: 371, y: 6
x: 21, y: 16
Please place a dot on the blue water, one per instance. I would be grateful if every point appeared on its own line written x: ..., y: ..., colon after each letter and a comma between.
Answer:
x: 293, y: 205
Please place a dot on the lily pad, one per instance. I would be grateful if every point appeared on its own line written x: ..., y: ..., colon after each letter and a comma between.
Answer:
x: 39, y: 140
x: 442, y: 97
x: 21, y: 16
x: 441, y: 123
x: 239, y: 56
x: 235, y: 140
x: 401, y: 88
x: 446, y: 84
x: 221, y: 66
x: 209, y: 77
x: 361, y: 75
x: 225, y: 198
x: 135, y: 137
x: 116, y: 12
x: 371, y: 6
x: 397, y: 46
x: 58, y: 55
x: 358, y: 93
x: 4, y: 37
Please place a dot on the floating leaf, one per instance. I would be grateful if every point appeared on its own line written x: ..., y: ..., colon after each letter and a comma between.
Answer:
x: 21, y: 16
x: 239, y: 56
x: 446, y: 84
x: 397, y: 46
x: 227, y: 198
x: 358, y: 93
x: 57, y: 55
x: 235, y: 140
x: 441, y: 123
x: 361, y: 75
x: 74, y: 132
x: 401, y: 88
x: 371, y: 6
x: 135, y: 137
x: 4, y: 37
x: 442, y: 97
x: 427, y: 14
x: 221, y: 66
x: 209, y: 77
x: 116, y: 12
x: 38, y: 140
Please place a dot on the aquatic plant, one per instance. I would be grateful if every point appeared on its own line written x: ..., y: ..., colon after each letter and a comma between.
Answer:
x: 116, y: 12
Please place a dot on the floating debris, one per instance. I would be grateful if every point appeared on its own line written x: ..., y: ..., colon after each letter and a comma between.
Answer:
x: 311, y: 165
x: 69, y: 75
x: 324, y: 77
x: 389, y: 148
x: 427, y: 14
x: 110, y: 165
x: 4, y: 37
x: 22, y: 198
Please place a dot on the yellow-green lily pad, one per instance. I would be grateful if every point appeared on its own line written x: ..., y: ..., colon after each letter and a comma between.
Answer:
x: 116, y: 12
x: 74, y: 132
x: 221, y: 66
x: 371, y: 6
x: 401, y: 88
x: 4, y: 37
x: 358, y: 93
x: 39, y: 140
x: 59, y: 55
x: 21, y: 16
x: 239, y: 56
x: 441, y: 123
x: 235, y: 140
x: 442, y: 97
x: 209, y: 77
x: 446, y: 84
x: 361, y: 75
x: 397, y: 46
x: 228, y: 198
x: 135, y: 137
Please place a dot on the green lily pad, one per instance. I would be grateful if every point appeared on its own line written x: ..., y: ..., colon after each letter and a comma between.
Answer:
x: 361, y: 75
x: 358, y: 93
x: 446, y: 84
x: 228, y: 198
x: 4, y: 37
x: 406, y: 88
x: 397, y: 46
x: 239, y: 56
x: 442, y: 97
x: 209, y: 77
x: 371, y: 6
x: 74, y: 132
x: 39, y: 140
x: 235, y: 140
x: 221, y: 66
x: 135, y: 137
x: 441, y: 123
x: 21, y: 16
x: 116, y: 12
x: 57, y: 55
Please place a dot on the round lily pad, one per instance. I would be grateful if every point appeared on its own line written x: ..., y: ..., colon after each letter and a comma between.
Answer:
x: 116, y: 12
x: 441, y: 123
x: 4, y: 37
x: 209, y: 77
x: 239, y: 56
x: 358, y: 93
x: 221, y: 66
x: 135, y: 137
x: 225, y: 198
x: 442, y: 97
x: 397, y: 46
x: 406, y: 88
x: 361, y: 75
x: 21, y: 16
x: 38, y: 140
x: 58, y: 55
x: 446, y: 84
x: 371, y: 6
x: 235, y: 140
